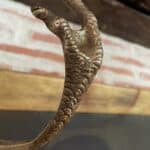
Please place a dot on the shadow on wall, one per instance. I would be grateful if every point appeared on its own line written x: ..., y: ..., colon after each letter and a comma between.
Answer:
x: 83, y: 142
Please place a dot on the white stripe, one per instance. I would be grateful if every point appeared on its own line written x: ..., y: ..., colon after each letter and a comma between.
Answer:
x: 111, y: 78
x: 27, y: 63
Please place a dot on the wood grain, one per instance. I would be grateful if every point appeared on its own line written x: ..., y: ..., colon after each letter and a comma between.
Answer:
x: 37, y: 93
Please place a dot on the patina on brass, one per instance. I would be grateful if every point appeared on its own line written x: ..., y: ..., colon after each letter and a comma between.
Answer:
x: 83, y: 57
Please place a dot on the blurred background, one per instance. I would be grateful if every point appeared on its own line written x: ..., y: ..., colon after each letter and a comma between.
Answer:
x: 114, y: 114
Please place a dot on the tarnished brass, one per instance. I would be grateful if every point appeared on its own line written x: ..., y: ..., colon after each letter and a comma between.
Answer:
x: 83, y: 57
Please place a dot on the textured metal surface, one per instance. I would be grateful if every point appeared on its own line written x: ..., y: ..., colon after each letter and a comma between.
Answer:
x: 83, y: 57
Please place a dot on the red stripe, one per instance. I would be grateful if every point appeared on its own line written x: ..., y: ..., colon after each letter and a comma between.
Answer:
x: 5, y: 66
x: 16, y: 13
x: 118, y: 70
x: 31, y: 52
x: 46, y: 73
x: 130, y: 85
x: 45, y: 38
x: 111, y: 43
x: 145, y: 76
x: 97, y: 81
x: 122, y: 84
x: 56, y: 74
x: 128, y: 61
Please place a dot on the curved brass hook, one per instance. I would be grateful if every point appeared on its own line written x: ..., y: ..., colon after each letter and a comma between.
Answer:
x: 83, y: 57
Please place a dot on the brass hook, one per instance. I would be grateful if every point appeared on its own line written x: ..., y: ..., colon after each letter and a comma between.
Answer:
x: 83, y: 57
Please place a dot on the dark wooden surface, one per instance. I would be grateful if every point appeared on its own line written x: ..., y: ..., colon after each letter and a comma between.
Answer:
x: 85, y: 131
x: 140, y: 5
x: 114, y: 17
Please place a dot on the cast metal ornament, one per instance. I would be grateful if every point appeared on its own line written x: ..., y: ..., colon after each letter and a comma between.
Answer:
x: 83, y: 57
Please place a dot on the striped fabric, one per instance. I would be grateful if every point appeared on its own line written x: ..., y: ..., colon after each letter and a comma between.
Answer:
x: 26, y: 45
